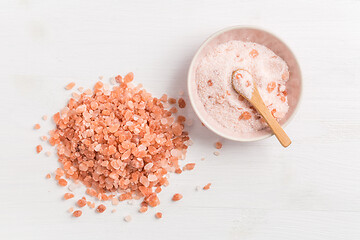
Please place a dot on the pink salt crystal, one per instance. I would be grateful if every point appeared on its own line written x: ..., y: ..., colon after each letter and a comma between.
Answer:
x: 163, y: 98
x: 97, y: 147
x: 80, y: 109
x: 152, y: 178
x: 144, y: 181
x: 75, y: 95
x: 43, y: 138
x: 216, y: 153
x: 189, y: 166
x: 48, y: 153
x: 44, y: 117
x: 148, y: 166
x: 88, y: 92
x: 181, y: 103
x: 115, y: 201
x: 113, y: 211
x: 127, y: 218
x: 70, y: 86
x: 82, y: 167
x: 218, y: 145
x: 101, y: 77
x: 163, y: 121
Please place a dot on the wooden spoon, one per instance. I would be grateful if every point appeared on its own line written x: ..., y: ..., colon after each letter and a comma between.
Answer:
x: 243, y: 83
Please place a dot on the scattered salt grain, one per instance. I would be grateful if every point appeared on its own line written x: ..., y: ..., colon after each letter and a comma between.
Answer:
x: 115, y: 201
x: 177, y: 197
x: 44, y: 138
x: 181, y: 92
x: 158, y: 215
x: 44, y: 117
x: 189, y: 166
x: 39, y: 148
x: 101, y: 208
x: 218, y: 145
x: 37, y: 126
x: 48, y: 154
x: 81, y: 202
x: 197, y: 188
x: 70, y: 86
x: 77, y: 213
x: 207, y: 186
x: 113, y: 211
x: 127, y: 218
x: 73, y: 186
x: 202, y: 159
x: 68, y: 196
x: 172, y: 100
x: 101, y: 77
x: 181, y: 103
x: 216, y: 153
x: 143, y: 209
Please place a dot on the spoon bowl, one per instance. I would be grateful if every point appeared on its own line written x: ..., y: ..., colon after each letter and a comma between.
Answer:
x: 244, y: 84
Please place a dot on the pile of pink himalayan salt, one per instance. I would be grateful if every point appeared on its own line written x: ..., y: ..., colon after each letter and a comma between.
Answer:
x: 120, y: 141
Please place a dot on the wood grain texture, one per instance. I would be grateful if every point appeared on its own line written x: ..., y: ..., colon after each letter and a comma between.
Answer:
x: 311, y: 190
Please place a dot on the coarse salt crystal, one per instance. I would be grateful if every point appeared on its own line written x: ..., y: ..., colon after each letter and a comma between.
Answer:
x: 127, y: 218
x: 152, y: 177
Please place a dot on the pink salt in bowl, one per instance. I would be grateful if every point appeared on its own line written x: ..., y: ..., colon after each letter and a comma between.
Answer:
x: 246, y: 34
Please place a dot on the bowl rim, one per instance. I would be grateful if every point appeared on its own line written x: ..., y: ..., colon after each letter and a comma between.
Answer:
x: 192, y: 100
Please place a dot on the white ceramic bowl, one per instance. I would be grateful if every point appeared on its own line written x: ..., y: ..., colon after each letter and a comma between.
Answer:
x: 246, y: 34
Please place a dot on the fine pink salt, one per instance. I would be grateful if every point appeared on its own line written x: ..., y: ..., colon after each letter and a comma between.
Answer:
x: 223, y: 103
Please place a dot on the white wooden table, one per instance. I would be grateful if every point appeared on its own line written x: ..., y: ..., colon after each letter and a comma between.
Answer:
x: 259, y: 190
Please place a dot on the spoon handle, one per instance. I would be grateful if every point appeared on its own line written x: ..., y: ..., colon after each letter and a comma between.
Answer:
x: 260, y: 106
